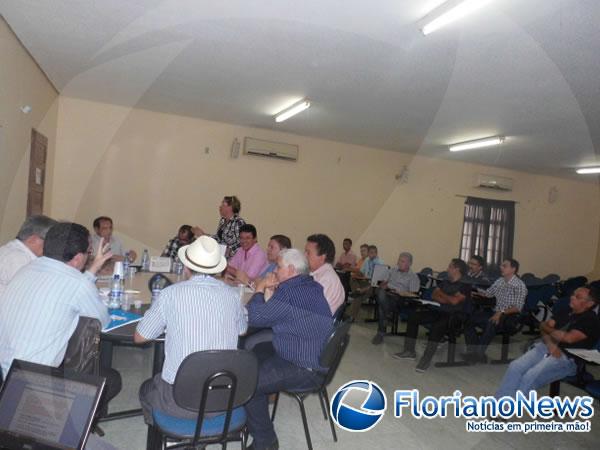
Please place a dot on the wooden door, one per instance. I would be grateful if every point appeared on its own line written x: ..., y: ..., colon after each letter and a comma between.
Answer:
x: 37, y: 173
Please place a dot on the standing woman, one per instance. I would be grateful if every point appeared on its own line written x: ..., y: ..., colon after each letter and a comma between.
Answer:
x: 228, y: 231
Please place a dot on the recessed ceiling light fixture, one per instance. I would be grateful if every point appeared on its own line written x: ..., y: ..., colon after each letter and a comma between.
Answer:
x: 292, y: 110
x: 588, y: 170
x: 478, y: 143
x: 449, y: 12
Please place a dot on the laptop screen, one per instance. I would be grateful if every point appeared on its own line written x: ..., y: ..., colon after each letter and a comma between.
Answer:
x: 43, y: 405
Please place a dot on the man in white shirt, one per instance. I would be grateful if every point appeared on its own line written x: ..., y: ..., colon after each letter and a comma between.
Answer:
x: 28, y: 245
x: 202, y: 313
x: 320, y: 253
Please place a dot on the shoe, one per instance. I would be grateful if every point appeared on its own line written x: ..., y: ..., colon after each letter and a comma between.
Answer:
x: 273, y: 446
x: 407, y: 354
x: 422, y: 366
x: 377, y: 339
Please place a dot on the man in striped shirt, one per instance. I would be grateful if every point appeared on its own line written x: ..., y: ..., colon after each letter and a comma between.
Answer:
x: 41, y: 306
x: 293, y: 305
x: 201, y: 313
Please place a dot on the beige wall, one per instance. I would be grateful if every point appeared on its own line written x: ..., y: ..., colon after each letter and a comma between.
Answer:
x: 150, y: 172
x: 21, y: 83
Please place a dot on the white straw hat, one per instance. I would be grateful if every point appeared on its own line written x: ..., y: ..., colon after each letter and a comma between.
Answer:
x: 203, y: 255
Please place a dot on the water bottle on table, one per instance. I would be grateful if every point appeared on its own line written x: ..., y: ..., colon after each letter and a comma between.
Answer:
x: 126, y: 264
x: 145, y: 260
x: 116, y: 292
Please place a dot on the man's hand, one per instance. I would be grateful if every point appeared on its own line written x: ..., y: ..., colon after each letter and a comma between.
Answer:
x: 242, y: 277
x: 103, y: 254
x: 496, y: 317
x: 555, y: 351
x: 383, y: 285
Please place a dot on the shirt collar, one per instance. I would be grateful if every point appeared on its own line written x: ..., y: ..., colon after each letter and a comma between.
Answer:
x: 321, y: 269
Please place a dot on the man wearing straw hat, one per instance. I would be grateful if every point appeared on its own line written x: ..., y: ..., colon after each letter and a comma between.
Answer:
x: 201, y: 313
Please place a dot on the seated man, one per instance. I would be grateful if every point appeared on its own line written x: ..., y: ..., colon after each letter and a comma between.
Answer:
x: 364, y: 254
x: 476, y: 267
x: 547, y: 361
x: 347, y: 259
x: 42, y: 304
x: 276, y: 243
x: 28, y: 245
x: 454, y: 297
x: 185, y: 236
x: 103, y: 228
x: 202, y: 313
x: 401, y: 280
x: 293, y: 304
x: 250, y: 260
x: 510, y: 293
x: 361, y: 282
x: 320, y: 253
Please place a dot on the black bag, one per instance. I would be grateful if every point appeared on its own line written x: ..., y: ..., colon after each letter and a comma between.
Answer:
x: 83, y: 349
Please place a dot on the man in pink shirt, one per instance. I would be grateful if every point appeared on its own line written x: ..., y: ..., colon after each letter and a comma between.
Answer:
x: 347, y: 259
x: 250, y: 260
x: 320, y: 252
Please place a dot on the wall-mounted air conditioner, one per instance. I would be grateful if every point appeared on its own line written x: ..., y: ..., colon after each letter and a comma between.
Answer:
x: 494, y: 182
x: 268, y: 149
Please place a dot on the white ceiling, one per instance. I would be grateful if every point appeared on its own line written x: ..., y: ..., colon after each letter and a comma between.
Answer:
x: 526, y: 69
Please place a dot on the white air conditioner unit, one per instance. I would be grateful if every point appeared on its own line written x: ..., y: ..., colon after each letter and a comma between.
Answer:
x: 268, y: 149
x: 494, y: 182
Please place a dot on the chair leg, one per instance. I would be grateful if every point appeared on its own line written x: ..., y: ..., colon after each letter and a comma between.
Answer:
x: 451, y: 361
x: 504, y: 353
x: 275, y: 407
x: 333, y: 433
x: 154, y: 439
x: 304, y: 421
x: 321, y: 401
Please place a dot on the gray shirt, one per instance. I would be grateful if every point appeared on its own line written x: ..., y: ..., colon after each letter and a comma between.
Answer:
x: 403, y: 281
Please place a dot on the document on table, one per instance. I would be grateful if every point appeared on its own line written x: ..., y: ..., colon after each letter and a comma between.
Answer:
x: 588, y: 355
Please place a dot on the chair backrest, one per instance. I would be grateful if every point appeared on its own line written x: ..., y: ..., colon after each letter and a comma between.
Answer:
x: 334, y: 349
x: 551, y: 278
x: 569, y: 286
x: 83, y: 349
x: 527, y: 277
x: 164, y: 281
x: 219, y: 373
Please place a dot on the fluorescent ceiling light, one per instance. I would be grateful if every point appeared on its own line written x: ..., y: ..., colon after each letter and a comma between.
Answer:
x: 479, y: 143
x: 446, y: 16
x: 588, y: 170
x: 292, y: 110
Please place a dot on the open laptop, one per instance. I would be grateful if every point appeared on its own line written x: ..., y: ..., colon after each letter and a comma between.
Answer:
x: 45, y: 408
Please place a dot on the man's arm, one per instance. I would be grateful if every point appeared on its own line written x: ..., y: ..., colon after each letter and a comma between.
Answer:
x: 445, y: 299
x: 263, y: 313
x: 152, y: 324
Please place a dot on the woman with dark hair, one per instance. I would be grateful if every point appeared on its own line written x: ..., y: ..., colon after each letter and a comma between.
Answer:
x: 228, y: 231
x: 185, y: 236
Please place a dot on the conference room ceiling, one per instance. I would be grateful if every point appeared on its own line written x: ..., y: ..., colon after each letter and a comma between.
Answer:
x: 525, y: 69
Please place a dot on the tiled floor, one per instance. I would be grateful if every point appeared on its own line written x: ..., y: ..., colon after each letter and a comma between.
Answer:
x: 365, y: 361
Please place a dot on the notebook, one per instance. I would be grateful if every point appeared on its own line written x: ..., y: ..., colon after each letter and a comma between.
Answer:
x: 45, y: 408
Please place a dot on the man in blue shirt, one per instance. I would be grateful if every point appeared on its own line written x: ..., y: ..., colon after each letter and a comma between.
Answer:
x: 293, y: 305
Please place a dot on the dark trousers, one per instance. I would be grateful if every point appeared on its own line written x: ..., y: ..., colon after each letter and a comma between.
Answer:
x: 111, y: 389
x: 479, y: 343
x: 387, y: 304
x: 274, y: 375
x: 439, y: 327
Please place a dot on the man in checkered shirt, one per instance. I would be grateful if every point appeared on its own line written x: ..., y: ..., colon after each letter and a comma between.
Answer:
x: 510, y: 293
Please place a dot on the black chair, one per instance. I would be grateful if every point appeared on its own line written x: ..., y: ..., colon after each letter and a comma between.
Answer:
x: 164, y: 281
x: 212, y: 381
x: 330, y: 358
x: 509, y: 326
x: 569, y: 286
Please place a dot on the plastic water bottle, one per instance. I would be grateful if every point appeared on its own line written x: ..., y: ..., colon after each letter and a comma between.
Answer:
x: 156, y: 288
x: 126, y: 264
x: 116, y: 292
x: 177, y: 266
x: 145, y: 260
